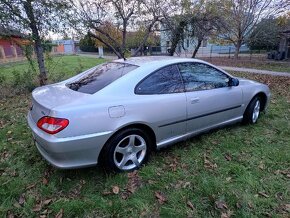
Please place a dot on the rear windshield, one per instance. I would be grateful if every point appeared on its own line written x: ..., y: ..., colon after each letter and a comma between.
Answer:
x: 100, y: 77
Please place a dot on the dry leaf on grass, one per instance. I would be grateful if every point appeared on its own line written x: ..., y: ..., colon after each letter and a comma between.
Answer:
x: 21, y: 200
x: 44, y: 181
x: 47, y: 202
x: 208, y: 164
x: 116, y: 190
x: 190, y: 205
x: 37, y: 208
x: 59, y: 214
x: 263, y: 194
x: 220, y: 204
x: 160, y: 197
x: 228, y: 157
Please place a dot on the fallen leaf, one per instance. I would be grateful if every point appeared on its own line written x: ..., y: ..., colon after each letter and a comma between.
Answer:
x: 208, y: 164
x: 228, y: 179
x: 10, y: 214
x: 116, y: 190
x: 189, y: 204
x: 228, y: 157
x: 261, y: 166
x: 224, y: 215
x: 227, y: 214
x: 47, y: 202
x: 106, y: 193
x: 250, y: 205
x: 37, y: 208
x: 21, y: 200
x: 59, y: 214
x: 151, y: 182
x: 220, y: 204
x: 44, y: 181
x: 44, y: 212
x: 17, y: 205
x: 134, y: 181
x: 263, y: 194
x: 160, y: 197
x: 30, y: 186
x: 287, y: 207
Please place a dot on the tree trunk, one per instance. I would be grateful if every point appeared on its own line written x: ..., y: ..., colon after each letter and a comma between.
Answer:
x: 145, y: 38
x: 115, y: 50
x: 124, y: 38
x: 238, y: 47
x: 37, y: 42
x: 177, y: 35
x: 196, y: 48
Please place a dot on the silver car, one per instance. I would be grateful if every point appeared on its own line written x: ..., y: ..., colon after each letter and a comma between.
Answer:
x: 118, y: 112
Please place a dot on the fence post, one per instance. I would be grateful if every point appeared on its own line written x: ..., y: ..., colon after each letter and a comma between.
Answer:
x: 229, y: 52
x: 210, y: 51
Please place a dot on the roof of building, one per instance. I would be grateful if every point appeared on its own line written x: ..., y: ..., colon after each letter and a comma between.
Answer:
x: 5, y: 31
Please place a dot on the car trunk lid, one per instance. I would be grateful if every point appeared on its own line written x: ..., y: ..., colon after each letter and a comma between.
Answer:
x: 45, y: 98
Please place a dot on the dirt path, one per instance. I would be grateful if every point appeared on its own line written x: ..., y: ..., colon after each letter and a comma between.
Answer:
x: 249, y: 70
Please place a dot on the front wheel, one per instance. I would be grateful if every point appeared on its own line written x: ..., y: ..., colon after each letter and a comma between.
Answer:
x: 127, y: 150
x: 252, y: 112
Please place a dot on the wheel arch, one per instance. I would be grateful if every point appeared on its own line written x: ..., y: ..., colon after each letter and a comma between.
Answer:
x: 141, y: 126
x: 263, y: 97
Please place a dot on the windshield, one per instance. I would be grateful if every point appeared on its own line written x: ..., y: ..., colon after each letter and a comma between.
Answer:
x: 100, y: 77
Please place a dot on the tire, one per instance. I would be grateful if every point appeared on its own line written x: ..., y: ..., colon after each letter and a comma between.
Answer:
x: 126, y: 151
x: 253, y: 111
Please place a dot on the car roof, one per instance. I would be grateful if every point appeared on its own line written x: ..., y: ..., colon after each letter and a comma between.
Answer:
x: 140, y: 61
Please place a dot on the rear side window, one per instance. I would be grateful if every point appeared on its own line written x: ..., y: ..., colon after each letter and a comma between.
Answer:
x: 164, y: 81
x: 100, y: 77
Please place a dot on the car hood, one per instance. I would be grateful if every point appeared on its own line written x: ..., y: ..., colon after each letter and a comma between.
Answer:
x: 243, y: 81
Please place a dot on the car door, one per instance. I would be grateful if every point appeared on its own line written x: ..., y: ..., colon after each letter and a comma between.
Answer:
x: 164, y: 102
x: 209, y: 98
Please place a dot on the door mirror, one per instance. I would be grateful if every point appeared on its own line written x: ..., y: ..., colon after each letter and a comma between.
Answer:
x: 233, y: 82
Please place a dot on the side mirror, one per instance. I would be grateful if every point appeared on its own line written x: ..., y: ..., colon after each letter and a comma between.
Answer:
x: 233, y: 82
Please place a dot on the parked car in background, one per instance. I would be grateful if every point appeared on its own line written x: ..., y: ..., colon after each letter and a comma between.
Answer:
x: 118, y: 112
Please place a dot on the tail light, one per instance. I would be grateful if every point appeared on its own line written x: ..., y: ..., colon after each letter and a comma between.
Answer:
x: 52, y: 125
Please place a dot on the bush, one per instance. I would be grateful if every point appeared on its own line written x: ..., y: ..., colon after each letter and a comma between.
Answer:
x: 24, y: 81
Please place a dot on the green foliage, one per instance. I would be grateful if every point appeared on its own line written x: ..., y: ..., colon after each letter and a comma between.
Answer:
x: 265, y: 35
x: 87, y: 44
x: 24, y: 80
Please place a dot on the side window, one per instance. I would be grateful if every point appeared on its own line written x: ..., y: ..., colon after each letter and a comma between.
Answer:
x: 197, y: 76
x: 164, y: 81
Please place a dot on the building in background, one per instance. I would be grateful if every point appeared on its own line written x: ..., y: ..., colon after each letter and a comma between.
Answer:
x: 10, y: 45
x: 66, y: 46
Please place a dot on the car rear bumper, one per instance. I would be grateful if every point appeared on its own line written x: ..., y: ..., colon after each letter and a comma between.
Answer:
x: 69, y: 152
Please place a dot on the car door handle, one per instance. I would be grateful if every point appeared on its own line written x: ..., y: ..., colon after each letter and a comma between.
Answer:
x: 194, y: 100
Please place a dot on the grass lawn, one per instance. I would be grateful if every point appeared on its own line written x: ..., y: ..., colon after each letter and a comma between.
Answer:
x: 255, y: 63
x: 239, y: 171
x: 58, y: 66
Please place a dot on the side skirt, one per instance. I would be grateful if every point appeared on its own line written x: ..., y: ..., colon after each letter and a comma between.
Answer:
x: 175, y: 139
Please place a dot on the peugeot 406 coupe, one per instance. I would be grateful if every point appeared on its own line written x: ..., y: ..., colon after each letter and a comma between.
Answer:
x: 118, y: 112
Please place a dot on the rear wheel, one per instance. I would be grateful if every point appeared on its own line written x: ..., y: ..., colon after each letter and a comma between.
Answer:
x: 127, y: 150
x: 253, y: 110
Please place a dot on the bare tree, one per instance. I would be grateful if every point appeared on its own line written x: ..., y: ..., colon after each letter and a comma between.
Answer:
x: 94, y: 15
x: 241, y: 16
x: 34, y: 18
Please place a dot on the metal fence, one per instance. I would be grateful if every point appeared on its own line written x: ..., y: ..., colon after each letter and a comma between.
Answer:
x: 208, y: 52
